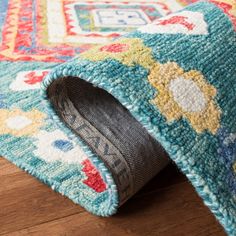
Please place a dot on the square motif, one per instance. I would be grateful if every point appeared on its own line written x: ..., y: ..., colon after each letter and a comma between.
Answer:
x: 57, y: 30
x: 114, y: 18
x: 104, y: 19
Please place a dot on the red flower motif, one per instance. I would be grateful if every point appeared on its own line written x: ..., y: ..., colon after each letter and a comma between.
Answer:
x: 115, y: 48
x: 182, y: 20
x: 227, y: 8
x: 33, y: 78
x: 94, y: 179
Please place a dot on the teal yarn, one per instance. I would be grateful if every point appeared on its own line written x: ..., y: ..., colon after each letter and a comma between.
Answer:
x: 65, y: 178
x: 205, y: 150
x: 194, y: 49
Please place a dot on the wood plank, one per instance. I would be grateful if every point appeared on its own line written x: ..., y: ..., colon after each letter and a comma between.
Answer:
x: 7, y: 168
x: 174, y: 211
x: 25, y: 202
x: 167, y: 205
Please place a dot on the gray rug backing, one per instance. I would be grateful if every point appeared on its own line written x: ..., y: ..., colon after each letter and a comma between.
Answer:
x: 111, y: 132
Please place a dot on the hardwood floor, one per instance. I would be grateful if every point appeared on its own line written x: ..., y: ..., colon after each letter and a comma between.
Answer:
x: 167, y: 206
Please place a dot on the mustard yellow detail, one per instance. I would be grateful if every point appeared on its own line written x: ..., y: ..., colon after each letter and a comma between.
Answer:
x: 34, y: 116
x: 160, y: 78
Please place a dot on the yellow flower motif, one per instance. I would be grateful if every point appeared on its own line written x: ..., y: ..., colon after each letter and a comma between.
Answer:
x: 128, y: 51
x: 19, y: 123
x: 185, y: 94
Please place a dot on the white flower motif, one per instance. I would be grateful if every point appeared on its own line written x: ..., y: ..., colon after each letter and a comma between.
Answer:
x: 20, y: 123
x: 188, y: 95
x: 185, y: 22
x: 27, y: 80
x: 56, y: 146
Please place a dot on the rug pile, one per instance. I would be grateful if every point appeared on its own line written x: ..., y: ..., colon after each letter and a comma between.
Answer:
x: 168, y: 70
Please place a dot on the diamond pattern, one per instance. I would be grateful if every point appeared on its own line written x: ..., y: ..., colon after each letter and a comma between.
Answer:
x: 56, y: 30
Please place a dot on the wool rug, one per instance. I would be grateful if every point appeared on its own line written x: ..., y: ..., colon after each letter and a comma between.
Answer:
x: 143, y: 83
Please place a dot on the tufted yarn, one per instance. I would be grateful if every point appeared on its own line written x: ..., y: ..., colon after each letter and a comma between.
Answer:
x: 172, y: 81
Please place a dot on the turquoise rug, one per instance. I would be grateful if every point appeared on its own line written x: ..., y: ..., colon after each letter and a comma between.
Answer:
x: 101, y: 125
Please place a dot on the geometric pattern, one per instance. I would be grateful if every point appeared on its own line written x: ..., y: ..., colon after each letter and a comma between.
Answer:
x: 57, y: 30
x: 181, y: 41
x: 35, y: 31
x: 188, y: 59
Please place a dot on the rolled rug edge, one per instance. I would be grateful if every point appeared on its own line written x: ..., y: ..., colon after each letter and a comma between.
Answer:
x: 96, y: 69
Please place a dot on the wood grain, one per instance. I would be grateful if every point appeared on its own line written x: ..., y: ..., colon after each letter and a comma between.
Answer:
x: 166, y: 206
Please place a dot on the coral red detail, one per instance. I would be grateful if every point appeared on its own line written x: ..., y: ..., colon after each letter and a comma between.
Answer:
x: 226, y: 7
x: 177, y: 20
x: 26, y: 29
x: 33, y: 78
x: 94, y: 179
x: 115, y: 48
